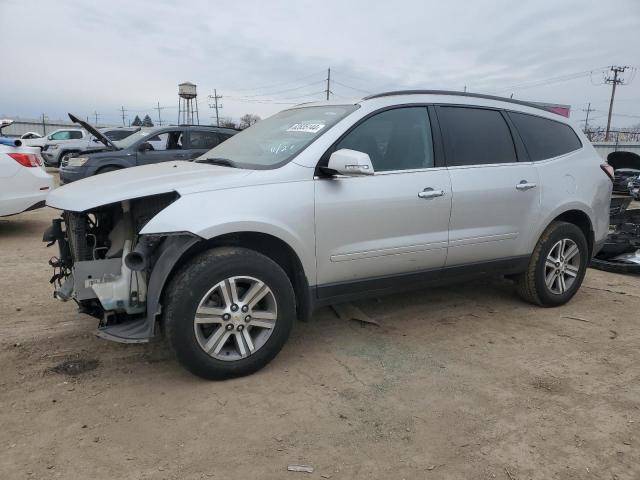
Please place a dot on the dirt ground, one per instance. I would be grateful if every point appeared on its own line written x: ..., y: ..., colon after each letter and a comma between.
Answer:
x: 463, y: 382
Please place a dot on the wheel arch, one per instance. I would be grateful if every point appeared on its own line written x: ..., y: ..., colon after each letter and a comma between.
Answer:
x: 112, y: 166
x: 270, y: 246
x: 580, y: 219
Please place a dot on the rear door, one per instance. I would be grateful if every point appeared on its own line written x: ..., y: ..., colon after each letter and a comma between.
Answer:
x: 496, y: 196
x: 167, y: 146
x: 372, y: 229
x: 201, y: 141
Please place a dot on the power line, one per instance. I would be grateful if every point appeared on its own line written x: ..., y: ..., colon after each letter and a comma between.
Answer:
x: 282, y: 91
x: 547, y: 81
x: 267, y: 87
x: 352, y: 88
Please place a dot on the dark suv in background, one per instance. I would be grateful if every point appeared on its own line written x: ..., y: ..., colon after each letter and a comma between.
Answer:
x: 146, y: 146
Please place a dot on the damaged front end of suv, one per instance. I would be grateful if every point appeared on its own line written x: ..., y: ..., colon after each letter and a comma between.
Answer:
x: 112, y: 271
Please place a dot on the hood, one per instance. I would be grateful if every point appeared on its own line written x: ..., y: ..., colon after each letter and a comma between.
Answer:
x: 94, y: 131
x: 137, y: 182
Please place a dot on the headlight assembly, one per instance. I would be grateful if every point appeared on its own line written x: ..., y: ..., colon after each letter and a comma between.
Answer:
x: 76, y: 161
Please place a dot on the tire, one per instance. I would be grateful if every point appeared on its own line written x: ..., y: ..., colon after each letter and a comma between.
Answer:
x: 532, y: 285
x: 62, y: 155
x: 200, y: 287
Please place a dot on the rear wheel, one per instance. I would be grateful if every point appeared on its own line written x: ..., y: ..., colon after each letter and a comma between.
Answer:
x: 557, y: 267
x: 228, y: 312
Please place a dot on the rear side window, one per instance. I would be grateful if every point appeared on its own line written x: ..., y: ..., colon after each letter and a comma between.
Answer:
x: 544, y: 138
x: 75, y: 135
x: 206, y: 140
x: 476, y: 136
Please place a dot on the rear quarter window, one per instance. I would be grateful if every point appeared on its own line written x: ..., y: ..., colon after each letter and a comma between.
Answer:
x: 544, y: 138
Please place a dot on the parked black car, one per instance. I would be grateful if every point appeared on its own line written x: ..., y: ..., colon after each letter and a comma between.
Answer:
x: 146, y: 146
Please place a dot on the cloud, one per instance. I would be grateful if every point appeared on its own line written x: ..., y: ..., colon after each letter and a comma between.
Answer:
x: 72, y: 55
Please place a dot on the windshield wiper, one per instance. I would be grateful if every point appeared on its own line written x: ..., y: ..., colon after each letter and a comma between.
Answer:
x: 225, y: 162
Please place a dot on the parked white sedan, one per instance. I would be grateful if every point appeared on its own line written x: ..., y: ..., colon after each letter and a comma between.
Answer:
x: 24, y: 183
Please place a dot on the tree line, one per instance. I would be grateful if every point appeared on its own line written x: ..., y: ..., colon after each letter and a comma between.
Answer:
x: 246, y: 121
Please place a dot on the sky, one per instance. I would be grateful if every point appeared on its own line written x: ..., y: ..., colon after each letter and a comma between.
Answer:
x: 262, y: 56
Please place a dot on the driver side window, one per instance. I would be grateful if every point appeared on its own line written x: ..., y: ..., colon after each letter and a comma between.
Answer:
x: 398, y: 139
x: 166, y: 141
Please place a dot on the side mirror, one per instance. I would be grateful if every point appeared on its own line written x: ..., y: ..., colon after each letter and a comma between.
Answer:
x: 350, y: 162
x: 145, y: 147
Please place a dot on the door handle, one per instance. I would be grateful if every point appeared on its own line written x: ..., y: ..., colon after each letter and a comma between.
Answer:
x: 523, y: 186
x: 430, y: 193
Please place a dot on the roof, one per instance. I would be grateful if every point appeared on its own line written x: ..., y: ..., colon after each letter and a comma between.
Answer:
x: 459, y: 94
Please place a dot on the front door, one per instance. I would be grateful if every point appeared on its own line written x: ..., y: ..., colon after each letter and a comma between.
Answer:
x: 166, y: 146
x: 380, y: 226
x: 496, y: 197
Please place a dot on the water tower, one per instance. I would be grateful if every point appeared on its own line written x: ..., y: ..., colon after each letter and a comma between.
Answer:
x: 188, y: 104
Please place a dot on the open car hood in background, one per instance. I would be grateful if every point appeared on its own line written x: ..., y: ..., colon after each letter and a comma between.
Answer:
x: 624, y: 160
x: 95, y: 132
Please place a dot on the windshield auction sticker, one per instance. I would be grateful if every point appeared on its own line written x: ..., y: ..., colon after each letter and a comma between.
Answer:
x: 306, y: 127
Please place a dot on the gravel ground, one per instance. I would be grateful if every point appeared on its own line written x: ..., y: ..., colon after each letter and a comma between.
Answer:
x: 463, y: 382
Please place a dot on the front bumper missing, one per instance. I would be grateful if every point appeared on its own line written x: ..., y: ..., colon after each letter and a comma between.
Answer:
x: 102, y: 287
x: 141, y: 330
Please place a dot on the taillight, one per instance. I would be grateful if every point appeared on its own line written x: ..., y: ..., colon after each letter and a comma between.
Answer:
x: 608, y: 169
x: 26, y: 159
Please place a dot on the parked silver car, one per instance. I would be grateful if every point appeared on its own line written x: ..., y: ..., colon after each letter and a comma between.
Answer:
x: 56, y: 150
x: 328, y: 202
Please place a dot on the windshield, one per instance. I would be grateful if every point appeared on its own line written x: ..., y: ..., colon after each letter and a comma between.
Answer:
x: 134, y: 137
x: 275, y: 141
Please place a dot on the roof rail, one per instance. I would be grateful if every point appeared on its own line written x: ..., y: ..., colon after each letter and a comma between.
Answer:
x: 460, y: 94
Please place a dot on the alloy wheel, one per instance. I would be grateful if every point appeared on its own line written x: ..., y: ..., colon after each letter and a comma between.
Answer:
x: 562, y: 266
x: 235, y: 318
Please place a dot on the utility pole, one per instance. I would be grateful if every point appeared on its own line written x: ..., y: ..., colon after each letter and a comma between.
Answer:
x: 215, y: 97
x: 122, y: 110
x: 328, y: 82
x: 586, y: 120
x: 44, y: 125
x: 614, y: 82
x: 158, y: 108
x: 96, y: 114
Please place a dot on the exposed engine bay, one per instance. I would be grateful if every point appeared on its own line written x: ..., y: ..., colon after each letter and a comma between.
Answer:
x: 103, y: 263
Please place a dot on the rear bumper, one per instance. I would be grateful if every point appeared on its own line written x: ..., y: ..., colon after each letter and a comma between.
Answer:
x: 28, y: 192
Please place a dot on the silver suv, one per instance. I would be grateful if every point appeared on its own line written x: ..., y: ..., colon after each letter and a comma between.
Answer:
x: 325, y: 203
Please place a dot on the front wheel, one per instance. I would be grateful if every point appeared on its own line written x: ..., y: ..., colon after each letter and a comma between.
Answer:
x: 557, y: 266
x: 228, y: 312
